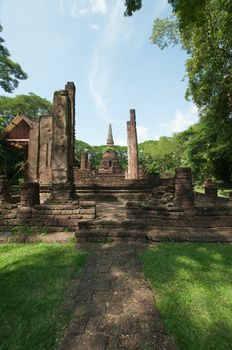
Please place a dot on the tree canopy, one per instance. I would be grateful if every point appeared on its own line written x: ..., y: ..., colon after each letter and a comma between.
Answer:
x: 132, y: 6
x: 30, y: 105
x: 204, y: 30
x: 10, y: 71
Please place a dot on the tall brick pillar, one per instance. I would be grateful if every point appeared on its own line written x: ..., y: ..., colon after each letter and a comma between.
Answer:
x: 33, y: 152
x: 210, y: 190
x: 29, y: 194
x: 62, y: 147
x: 132, y: 147
x: 84, y: 160
x: 71, y: 89
x: 184, y: 188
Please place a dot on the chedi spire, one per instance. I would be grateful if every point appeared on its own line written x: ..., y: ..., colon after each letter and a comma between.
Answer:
x: 110, y: 140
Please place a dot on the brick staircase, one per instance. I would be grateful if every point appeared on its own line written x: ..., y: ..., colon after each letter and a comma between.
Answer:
x: 118, y: 221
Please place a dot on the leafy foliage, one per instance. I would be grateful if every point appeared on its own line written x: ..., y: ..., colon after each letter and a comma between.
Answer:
x: 30, y: 105
x: 165, y: 32
x: 204, y: 29
x: 132, y: 6
x: 10, y: 72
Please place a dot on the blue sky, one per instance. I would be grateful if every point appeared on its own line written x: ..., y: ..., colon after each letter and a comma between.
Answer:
x: 109, y: 58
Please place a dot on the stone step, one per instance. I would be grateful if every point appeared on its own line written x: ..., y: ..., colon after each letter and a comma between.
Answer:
x: 132, y: 230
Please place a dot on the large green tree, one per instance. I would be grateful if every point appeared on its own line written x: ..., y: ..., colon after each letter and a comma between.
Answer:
x: 204, y: 30
x: 10, y: 72
x: 30, y: 105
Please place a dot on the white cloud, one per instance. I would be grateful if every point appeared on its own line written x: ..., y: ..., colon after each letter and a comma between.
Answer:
x: 98, y: 6
x: 183, y: 120
x: 94, y: 27
x: 83, y: 11
x: 78, y: 8
x: 104, y: 58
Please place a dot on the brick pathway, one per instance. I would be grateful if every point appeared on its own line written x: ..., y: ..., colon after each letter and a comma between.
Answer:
x: 114, y: 304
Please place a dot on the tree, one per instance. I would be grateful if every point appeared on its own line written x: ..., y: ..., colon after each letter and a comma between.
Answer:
x: 132, y: 6
x: 10, y: 72
x: 204, y: 29
x: 30, y: 105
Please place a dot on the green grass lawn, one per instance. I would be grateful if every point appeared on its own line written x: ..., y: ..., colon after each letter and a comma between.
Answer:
x: 34, y: 283
x: 193, y: 291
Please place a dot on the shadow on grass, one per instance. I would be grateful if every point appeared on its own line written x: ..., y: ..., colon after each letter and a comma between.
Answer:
x: 193, y: 290
x: 33, y: 284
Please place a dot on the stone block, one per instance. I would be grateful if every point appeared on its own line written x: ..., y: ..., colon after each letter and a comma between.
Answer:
x: 67, y: 212
x: 88, y: 216
x: 88, y: 211
x: 87, y: 204
x: 29, y: 192
x: 12, y: 222
x: 10, y: 215
x: 76, y: 216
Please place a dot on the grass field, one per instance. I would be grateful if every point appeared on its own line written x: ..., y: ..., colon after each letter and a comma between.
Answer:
x: 34, y: 282
x: 193, y: 291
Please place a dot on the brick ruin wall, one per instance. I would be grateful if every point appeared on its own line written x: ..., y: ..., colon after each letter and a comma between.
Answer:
x: 50, y: 216
x: 160, y: 217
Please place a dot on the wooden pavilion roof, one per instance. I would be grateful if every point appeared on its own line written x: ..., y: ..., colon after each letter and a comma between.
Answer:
x: 17, y: 132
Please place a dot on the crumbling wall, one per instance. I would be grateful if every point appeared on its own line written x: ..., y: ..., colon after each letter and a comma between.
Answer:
x: 52, y: 216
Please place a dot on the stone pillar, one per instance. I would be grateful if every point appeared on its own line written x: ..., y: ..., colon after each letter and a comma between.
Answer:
x: 45, y: 149
x: 29, y: 194
x: 184, y: 189
x: 71, y: 89
x: 89, y: 165
x: 62, y: 147
x: 84, y: 160
x: 61, y: 138
x: 33, y: 152
x: 210, y: 191
x: 132, y: 147
x: 4, y: 190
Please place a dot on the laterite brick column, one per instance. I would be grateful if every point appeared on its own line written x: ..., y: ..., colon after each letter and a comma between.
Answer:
x: 62, y: 188
x: 210, y: 191
x: 132, y: 147
x: 184, y: 188
x: 29, y: 192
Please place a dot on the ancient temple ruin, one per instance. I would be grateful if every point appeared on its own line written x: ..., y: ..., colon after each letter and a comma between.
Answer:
x: 108, y: 203
x: 110, y: 162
